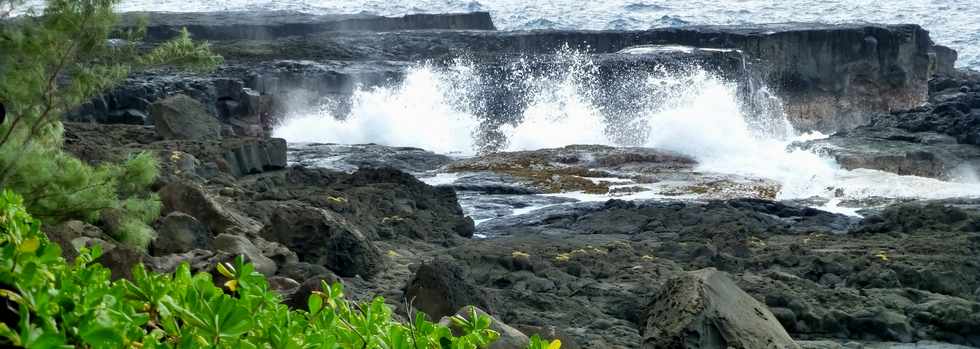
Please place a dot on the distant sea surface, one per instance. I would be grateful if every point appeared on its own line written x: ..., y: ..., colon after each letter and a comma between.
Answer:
x: 955, y: 23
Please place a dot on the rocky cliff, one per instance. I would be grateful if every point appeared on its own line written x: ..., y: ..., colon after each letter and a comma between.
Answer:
x: 830, y: 77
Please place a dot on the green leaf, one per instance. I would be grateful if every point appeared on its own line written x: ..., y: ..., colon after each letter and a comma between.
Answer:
x: 315, y: 303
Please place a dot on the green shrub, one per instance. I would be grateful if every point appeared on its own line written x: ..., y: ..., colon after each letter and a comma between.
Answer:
x: 61, y: 305
x: 52, y: 62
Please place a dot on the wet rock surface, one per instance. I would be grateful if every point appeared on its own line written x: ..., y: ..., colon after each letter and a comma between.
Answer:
x: 938, y: 140
x: 349, y: 158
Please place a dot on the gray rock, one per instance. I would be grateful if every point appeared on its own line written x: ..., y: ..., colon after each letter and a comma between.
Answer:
x: 439, y: 288
x: 193, y: 200
x: 179, y: 232
x: 197, y: 260
x: 820, y: 345
x: 298, y: 299
x: 887, y: 325
x: 349, y: 158
x: 72, y: 235
x: 254, y: 155
x: 277, y: 24
x: 236, y: 245
x: 942, y: 60
x: 706, y: 309
x: 128, y: 116
x: 276, y: 251
x: 322, y: 237
x: 301, y: 270
x: 283, y: 285
x: 925, y: 154
x: 121, y: 260
x: 182, y: 117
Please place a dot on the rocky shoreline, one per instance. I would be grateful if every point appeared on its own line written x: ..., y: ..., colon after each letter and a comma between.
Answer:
x: 610, y: 274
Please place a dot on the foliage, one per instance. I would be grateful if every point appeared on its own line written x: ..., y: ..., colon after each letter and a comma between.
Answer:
x: 61, y: 305
x: 51, y: 63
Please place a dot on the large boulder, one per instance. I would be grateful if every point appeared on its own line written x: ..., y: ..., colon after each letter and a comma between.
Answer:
x: 179, y: 232
x: 182, y: 117
x: 193, y: 200
x: 236, y: 245
x: 705, y: 309
x: 440, y: 287
x: 323, y: 237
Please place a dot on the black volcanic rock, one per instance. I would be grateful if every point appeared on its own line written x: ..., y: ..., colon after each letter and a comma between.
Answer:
x: 324, y: 238
x: 940, y: 139
x: 266, y: 25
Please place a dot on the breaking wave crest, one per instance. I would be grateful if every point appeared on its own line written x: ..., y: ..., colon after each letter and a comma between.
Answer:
x: 445, y: 108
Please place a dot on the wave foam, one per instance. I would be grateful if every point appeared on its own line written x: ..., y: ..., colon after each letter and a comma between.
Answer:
x: 693, y: 113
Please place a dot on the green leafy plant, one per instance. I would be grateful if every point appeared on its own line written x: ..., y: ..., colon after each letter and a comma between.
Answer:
x: 52, y: 304
x: 538, y: 343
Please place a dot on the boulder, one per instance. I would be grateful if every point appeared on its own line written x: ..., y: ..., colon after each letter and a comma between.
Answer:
x: 510, y: 338
x: 198, y: 260
x: 942, y: 60
x: 302, y: 270
x: 885, y: 325
x: 67, y: 233
x: 236, y: 245
x: 276, y: 251
x: 121, y: 260
x: 193, y: 200
x: 245, y: 156
x: 322, y: 237
x: 179, y: 232
x: 127, y: 116
x: 298, y: 299
x: 706, y: 309
x: 182, y: 117
x: 440, y: 287
x: 283, y: 285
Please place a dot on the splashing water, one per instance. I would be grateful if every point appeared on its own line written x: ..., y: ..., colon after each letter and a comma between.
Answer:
x: 694, y: 113
x: 427, y: 110
x: 561, y: 111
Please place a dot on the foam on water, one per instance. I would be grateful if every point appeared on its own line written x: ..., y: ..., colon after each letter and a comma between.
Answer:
x: 427, y: 110
x: 693, y: 113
